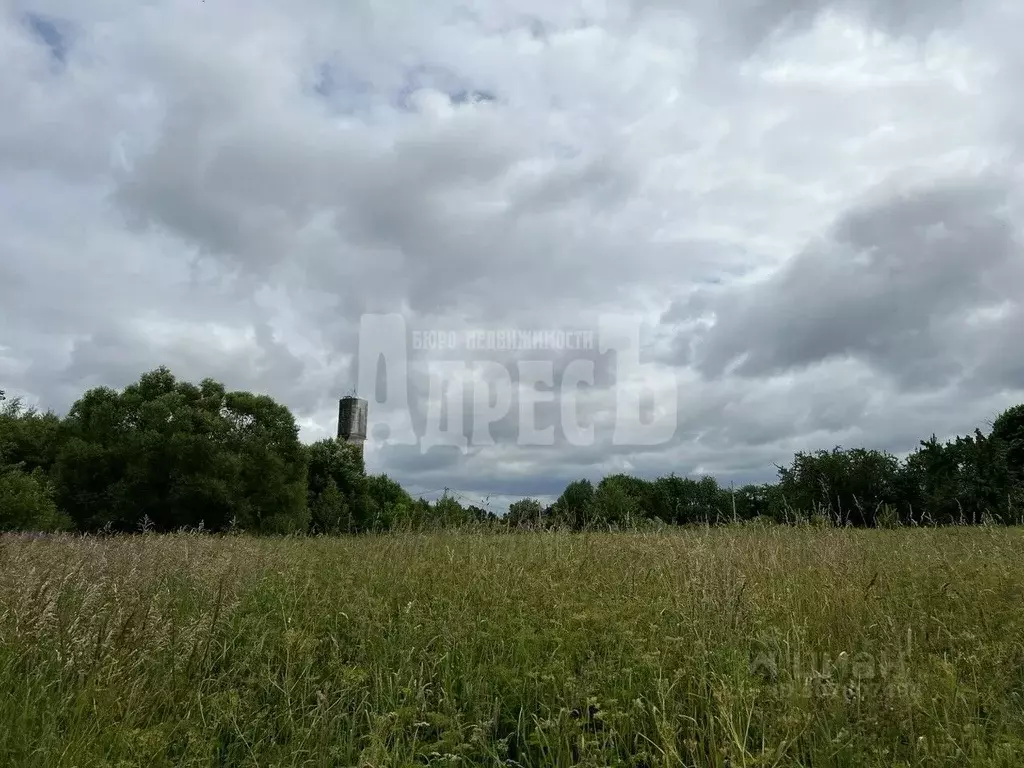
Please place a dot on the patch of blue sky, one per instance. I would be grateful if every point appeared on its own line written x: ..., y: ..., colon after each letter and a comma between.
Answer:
x: 440, y: 79
x: 51, y: 33
x: 344, y: 91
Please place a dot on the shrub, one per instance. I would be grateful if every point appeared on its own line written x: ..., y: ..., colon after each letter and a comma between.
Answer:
x: 26, y: 502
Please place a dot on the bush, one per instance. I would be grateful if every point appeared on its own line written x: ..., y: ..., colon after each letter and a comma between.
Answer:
x: 329, y: 511
x: 524, y: 513
x: 26, y: 503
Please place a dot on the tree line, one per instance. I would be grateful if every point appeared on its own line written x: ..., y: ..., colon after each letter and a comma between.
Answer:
x: 164, y: 454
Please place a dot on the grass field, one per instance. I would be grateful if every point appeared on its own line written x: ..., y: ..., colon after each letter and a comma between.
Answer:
x: 720, y: 647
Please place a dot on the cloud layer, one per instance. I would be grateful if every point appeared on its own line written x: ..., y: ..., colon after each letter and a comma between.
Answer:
x: 813, y: 206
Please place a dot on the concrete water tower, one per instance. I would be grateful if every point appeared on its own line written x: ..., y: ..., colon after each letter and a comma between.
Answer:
x: 352, y: 413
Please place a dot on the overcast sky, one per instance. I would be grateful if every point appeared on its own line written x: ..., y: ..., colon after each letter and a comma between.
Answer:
x: 814, y: 208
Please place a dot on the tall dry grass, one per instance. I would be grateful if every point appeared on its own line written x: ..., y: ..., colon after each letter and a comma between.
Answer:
x: 717, y: 647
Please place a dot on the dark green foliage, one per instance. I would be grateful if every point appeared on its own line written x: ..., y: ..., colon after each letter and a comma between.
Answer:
x: 449, y: 513
x: 575, y: 507
x: 525, y: 513
x: 27, y: 437
x: 848, y: 487
x: 336, y: 488
x: 390, y: 505
x: 962, y: 481
x: 263, y: 444
x: 619, y: 501
x: 28, y: 443
x: 330, y: 511
x: 181, y: 455
x: 1008, y: 428
x: 26, y: 502
x: 750, y: 502
x: 480, y: 515
x: 683, y: 501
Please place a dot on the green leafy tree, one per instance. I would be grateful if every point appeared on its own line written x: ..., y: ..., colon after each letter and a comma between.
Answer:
x: 684, y: 501
x: 447, y: 512
x: 961, y: 481
x: 480, y: 515
x: 620, y: 500
x: 27, y: 446
x: 575, y: 507
x: 26, y: 502
x: 752, y: 501
x: 846, y: 486
x: 525, y: 513
x: 27, y: 437
x: 181, y: 455
x: 329, y: 511
x: 264, y: 440
x: 336, y: 468
x: 1008, y: 428
x: 391, y: 505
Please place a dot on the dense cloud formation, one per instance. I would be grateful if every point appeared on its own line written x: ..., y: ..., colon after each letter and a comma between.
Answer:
x: 813, y: 206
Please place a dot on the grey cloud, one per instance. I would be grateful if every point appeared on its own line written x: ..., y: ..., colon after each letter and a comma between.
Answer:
x: 892, y: 283
x: 51, y: 33
x: 751, y: 24
x: 407, y: 202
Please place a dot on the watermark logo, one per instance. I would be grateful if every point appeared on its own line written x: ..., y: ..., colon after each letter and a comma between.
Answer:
x: 824, y: 675
x: 472, y: 378
x: 502, y: 340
